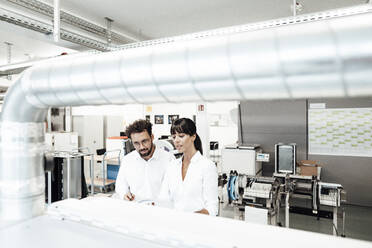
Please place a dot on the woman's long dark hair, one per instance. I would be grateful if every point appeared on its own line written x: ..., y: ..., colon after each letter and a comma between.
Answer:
x: 187, y: 126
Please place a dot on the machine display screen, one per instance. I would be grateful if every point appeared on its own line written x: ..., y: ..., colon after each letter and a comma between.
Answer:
x: 285, y: 157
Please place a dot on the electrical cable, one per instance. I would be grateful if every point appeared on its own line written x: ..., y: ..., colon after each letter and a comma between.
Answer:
x: 237, y: 183
x: 334, y: 226
x: 228, y: 188
x: 231, y: 188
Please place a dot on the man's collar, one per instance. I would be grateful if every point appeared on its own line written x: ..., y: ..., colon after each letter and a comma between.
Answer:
x: 156, y: 153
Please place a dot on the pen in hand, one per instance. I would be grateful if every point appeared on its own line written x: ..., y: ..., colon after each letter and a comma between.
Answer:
x: 129, y: 196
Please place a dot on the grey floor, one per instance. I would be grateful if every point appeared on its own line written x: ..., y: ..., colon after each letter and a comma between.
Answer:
x: 358, y: 222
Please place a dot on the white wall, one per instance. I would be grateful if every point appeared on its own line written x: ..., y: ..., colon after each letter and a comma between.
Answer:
x: 90, y: 131
x: 113, y: 125
x: 165, y: 109
x: 130, y: 112
x: 223, y: 119
x: 222, y: 124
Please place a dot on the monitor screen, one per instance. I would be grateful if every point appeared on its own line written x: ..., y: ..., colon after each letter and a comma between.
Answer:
x: 285, y: 158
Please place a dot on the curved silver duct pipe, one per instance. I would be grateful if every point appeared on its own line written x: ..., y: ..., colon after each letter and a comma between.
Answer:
x: 329, y: 58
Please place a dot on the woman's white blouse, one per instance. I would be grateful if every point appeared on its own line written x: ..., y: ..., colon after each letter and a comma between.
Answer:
x: 198, y: 190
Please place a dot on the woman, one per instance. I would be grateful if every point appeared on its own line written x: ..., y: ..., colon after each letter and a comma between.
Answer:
x: 190, y: 182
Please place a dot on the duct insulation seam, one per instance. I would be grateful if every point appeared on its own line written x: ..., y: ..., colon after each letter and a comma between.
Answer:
x: 22, y: 170
x: 328, y: 58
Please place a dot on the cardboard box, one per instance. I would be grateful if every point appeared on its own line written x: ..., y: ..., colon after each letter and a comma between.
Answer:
x: 309, y: 168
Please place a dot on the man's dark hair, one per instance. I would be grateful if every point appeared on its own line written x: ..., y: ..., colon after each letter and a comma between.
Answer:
x: 138, y: 127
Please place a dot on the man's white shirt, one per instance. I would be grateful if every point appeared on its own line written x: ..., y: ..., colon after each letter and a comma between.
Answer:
x: 142, y: 178
x: 198, y: 190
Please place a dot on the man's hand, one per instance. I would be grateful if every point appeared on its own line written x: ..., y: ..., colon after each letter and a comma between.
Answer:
x: 202, y: 211
x: 129, y: 196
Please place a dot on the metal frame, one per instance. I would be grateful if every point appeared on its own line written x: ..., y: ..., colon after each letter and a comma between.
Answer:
x: 78, y: 22
x: 68, y: 155
x: 36, y: 25
x: 91, y: 166
x: 105, y: 184
x: 104, y: 164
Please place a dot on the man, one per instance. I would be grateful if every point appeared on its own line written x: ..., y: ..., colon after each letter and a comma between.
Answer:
x: 142, y: 171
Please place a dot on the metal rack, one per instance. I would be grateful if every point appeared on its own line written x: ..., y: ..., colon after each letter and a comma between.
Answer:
x: 103, y: 183
x: 47, y: 10
x: 68, y: 155
x: 42, y: 27
x: 91, y: 166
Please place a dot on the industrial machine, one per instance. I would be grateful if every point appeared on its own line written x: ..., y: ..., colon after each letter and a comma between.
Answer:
x: 285, y: 189
x: 242, y: 159
x: 330, y: 194
x: 285, y: 158
x: 166, y: 144
x: 306, y: 187
x: 253, y: 191
x: 64, y: 167
x: 62, y: 141
x: 64, y: 176
x: 279, y: 191
x: 245, y: 187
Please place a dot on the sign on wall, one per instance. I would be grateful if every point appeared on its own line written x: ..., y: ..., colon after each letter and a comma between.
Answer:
x: 343, y: 132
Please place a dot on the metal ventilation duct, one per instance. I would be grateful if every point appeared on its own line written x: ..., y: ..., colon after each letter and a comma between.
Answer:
x: 329, y: 58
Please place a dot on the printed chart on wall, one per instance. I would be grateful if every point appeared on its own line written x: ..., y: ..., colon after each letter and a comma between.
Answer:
x: 345, y: 132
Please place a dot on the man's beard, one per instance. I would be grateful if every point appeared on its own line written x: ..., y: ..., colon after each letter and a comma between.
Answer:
x: 147, y: 153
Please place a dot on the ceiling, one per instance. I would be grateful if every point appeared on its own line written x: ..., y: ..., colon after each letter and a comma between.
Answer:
x: 162, y: 18
x: 151, y: 19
